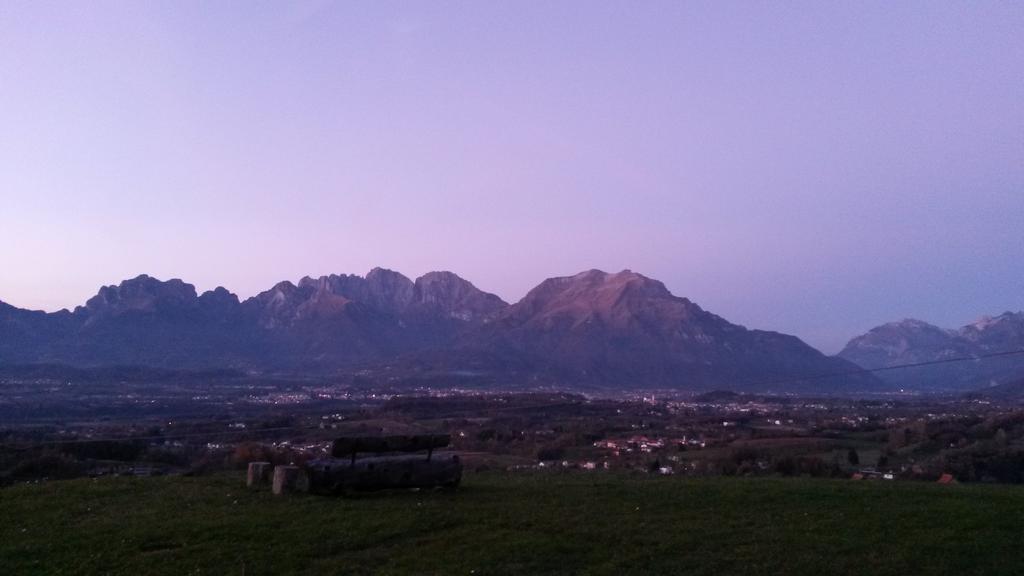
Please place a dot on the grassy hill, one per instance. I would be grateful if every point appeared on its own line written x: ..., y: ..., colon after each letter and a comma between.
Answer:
x: 514, y: 524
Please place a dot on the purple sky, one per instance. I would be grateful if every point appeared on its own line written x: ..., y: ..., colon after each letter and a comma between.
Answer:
x: 810, y: 167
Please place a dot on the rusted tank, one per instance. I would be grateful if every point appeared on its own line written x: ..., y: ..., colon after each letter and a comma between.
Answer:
x: 338, y: 475
x: 258, y: 474
x: 290, y: 479
x: 353, y: 468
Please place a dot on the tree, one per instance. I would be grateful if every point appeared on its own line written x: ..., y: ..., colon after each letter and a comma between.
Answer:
x: 853, y: 457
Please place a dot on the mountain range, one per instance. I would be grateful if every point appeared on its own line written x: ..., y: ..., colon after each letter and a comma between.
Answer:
x: 598, y: 329
x: 992, y: 341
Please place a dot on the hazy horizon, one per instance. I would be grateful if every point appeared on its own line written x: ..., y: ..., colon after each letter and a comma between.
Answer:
x: 807, y: 168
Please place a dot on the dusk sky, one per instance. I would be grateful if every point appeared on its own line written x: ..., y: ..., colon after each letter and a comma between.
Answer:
x: 815, y: 168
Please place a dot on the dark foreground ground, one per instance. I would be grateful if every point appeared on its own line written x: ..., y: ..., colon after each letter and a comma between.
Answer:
x: 515, y: 524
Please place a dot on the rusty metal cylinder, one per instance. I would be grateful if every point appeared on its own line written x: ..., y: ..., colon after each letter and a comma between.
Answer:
x: 259, y: 474
x: 290, y: 479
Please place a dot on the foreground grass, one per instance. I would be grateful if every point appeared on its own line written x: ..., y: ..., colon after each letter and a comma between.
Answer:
x: 514, y: 524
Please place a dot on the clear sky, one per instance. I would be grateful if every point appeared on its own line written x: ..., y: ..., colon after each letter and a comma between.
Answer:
x: 810, y: 167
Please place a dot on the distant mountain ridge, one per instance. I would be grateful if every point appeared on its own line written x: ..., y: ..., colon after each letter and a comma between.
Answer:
x: 599, y: 326
x: 914, y: 341
x: 594, y: 328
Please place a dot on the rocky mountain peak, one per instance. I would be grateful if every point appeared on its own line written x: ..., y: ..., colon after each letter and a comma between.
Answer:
x: 142, y: 293
x: 389, y: 290
x: 455, y: 297
x: 1002, y: 332
x: 914, y: 341
x: 885, y: 344
x: 594, y: 292
x: 219, y: 297
x: 987, y: 322
x: 910, y: 324
x: 277, y: 306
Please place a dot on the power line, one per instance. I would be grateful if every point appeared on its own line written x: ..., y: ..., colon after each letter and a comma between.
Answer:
x: 860, y: 371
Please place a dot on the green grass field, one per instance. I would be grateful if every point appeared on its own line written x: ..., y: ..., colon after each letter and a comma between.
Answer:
x: 515, y: 524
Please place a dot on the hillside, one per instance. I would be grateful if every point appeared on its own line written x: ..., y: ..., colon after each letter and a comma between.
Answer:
x: 514, y: 524
x: 628, y: 329
x: 593, y: 329
x: 914, y: 341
